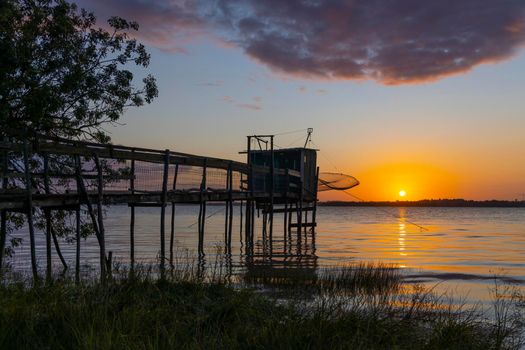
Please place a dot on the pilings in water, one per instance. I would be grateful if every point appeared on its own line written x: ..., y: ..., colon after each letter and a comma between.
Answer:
x: 164, y: 203
x: 132, y: 217
x: 30, y: 224
x: 47, y: 214
x: 90, y: 167
x: 202, y: 209
x: 228, y: 217
x: 172, y: 226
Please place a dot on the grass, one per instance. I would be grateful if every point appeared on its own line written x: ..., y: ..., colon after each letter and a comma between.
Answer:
x: 355, y: 307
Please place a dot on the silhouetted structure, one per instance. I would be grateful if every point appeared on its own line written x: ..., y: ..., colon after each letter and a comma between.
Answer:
x: 283, y: 181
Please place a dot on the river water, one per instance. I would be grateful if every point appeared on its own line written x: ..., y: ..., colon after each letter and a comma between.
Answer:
x: 460, y: 250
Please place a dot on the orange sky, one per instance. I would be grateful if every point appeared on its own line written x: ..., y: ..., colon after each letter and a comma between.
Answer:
x: 460, y: 137
x: 384, y: 182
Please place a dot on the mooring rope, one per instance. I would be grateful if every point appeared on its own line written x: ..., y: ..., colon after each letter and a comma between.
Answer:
x: 207, y: 217
x: 386, y: 211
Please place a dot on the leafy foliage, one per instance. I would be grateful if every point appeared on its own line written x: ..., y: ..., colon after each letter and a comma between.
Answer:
x: 60, y: 75
x: 63, y: 76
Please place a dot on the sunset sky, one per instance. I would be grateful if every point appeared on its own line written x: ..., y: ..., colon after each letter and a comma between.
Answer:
x: 422, y: 96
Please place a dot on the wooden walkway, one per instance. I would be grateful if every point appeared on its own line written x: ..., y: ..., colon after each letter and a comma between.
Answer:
x: 41, y: 175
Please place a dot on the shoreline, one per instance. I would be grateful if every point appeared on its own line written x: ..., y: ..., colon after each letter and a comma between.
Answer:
x: 432, y: 203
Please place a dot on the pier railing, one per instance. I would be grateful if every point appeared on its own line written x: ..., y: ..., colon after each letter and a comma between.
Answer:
x: 40, y: 175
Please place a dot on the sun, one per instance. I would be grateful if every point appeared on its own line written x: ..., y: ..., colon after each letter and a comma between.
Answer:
x: 402, y: 193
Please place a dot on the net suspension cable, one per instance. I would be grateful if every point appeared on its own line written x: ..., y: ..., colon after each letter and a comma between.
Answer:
x: 323, y: 182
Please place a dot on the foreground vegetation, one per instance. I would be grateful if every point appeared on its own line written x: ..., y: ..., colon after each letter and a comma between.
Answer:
x: 357, y: 307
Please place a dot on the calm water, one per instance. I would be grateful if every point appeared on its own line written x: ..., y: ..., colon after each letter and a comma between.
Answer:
x: 461, y: 248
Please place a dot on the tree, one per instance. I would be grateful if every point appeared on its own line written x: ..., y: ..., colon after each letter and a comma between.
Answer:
x: 60, y: 75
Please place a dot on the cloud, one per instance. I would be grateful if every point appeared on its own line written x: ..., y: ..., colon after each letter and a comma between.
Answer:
x: 166, y: 25
x: 390, y: 41
x: 256, y: 106
x: 250, y: 106
x: 212, y: 83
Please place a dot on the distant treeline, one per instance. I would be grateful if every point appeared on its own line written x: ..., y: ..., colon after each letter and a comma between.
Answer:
x: 430, y: 203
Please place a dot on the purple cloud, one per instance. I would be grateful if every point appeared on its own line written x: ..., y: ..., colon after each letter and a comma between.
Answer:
x: 390, y: 41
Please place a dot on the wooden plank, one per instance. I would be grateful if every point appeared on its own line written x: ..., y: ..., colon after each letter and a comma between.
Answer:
x: 67, y: 147
x: 16, y: 175
x: 305, y: 224
x: 65, y: 200
x: 287, y: 210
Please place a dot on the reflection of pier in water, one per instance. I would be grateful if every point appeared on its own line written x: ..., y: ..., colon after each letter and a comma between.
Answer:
x: 42, y: 176
x: 292, y: 254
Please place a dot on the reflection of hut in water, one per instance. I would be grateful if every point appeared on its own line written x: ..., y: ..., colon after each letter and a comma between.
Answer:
x: 277, y: 256
x: 289, y: 259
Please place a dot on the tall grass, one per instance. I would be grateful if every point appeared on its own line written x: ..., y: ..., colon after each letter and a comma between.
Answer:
x: 363, y: 306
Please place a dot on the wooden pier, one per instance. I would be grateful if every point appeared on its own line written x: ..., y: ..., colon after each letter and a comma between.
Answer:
x: 41, y: 175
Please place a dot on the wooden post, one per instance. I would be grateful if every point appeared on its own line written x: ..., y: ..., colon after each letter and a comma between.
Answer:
x: 226, y: 211
x: 285, y: 192
x: 29, y: 193
x: 264, y: 228
x: 78, y: 175
x: 47, y: 214
x: 247, y: 223
x: 101, y: 232
x: 285, y: 217
x: 98, y: 224
x: 240, y: 219
x: 250, y: 194
x: 300, y: 209
x: 132, y: 218
x: 77, y: 257
x: 272, y: 189
x: 163, y: 213
x: 3, y: 212
x: 202, y: 209
x: 230, y: 199
x: 306, y: 221
x: 172, y: 232
x: 314, y: 211
x: 252, y: 228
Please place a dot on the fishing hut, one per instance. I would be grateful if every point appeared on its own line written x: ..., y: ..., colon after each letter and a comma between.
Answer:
x: 40, y: 175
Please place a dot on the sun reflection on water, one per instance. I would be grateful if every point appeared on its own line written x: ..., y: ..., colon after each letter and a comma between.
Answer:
x: 402, y: 232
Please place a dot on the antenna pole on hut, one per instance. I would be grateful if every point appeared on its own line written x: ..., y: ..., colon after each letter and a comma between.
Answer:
x: 309, y: 136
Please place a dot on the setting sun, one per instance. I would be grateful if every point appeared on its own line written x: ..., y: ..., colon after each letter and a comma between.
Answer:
x: 402, y: 193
